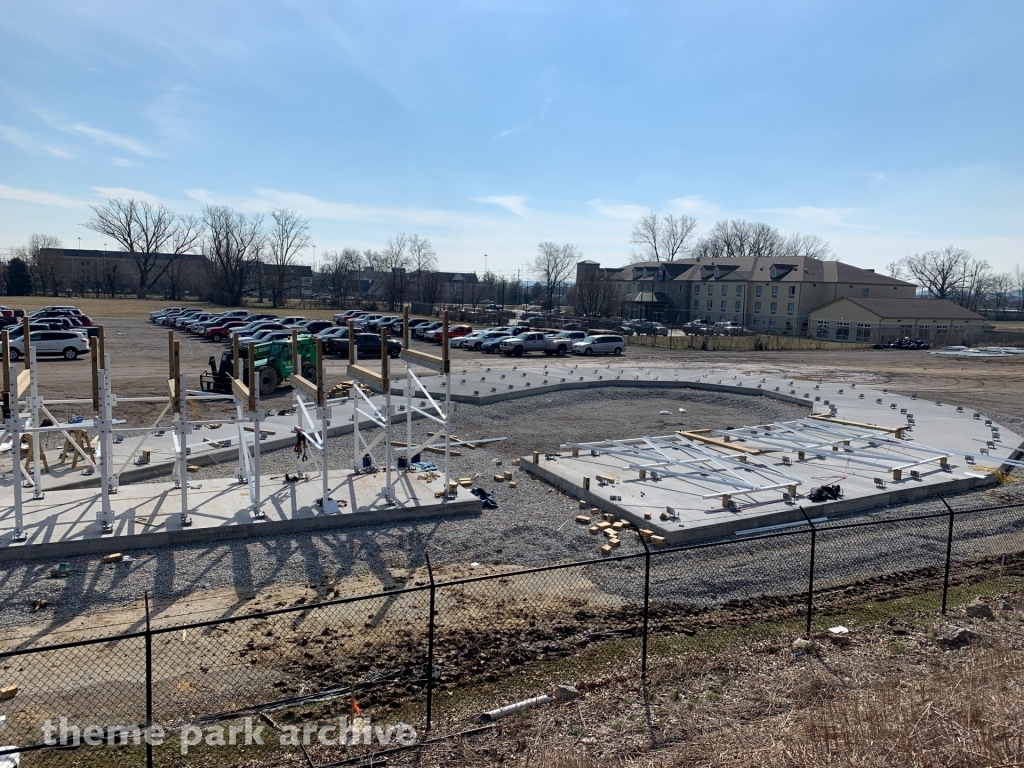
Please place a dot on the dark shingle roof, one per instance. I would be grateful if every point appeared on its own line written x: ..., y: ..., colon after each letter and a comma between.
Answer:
x: 928, y: 309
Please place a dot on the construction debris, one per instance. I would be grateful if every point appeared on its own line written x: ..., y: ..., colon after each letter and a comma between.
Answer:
x: 8, y: 692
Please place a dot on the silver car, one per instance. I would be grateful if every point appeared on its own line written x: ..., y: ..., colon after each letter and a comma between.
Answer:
x: 67, y: 344
x: 600, y: 345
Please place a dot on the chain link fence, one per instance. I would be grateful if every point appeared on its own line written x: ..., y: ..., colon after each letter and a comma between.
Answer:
x: 433, y: 655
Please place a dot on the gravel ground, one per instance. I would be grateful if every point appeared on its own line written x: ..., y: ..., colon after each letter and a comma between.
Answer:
x: 532, y: 526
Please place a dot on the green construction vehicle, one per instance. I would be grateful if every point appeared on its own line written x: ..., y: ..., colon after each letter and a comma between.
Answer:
x: 273, y: 366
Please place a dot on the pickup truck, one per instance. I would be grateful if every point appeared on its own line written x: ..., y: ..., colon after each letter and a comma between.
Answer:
x: 531, y: 341
x: 561, y: 343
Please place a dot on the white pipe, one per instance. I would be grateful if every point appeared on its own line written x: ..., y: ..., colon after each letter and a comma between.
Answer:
x: 510, y: 709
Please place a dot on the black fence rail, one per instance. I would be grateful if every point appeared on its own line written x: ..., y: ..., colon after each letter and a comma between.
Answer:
x: 430, y: 654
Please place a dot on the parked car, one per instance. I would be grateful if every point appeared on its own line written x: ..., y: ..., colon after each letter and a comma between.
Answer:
x: 313, y: 327
x: 436, y: 334
x: 261, y: 325
x: 223, y: 330
x: 599, y: 345
x: 562, y: 342
x: 68, y: 344
x: 262, y: 334
x: 492, y: 345
x: 342, y: 318
x: 532, y: 341
x: 485, y: 338
x: 469, y: 340
x: 419, y: 331
x: 292, y: 320
x: 367, y: 344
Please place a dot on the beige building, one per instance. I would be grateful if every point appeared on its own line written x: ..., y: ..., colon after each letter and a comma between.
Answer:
x: 884, y: 320
x: 767, y: 295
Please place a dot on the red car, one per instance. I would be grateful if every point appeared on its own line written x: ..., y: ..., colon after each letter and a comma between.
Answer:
x: 454, y: 332
x: 222, y: 331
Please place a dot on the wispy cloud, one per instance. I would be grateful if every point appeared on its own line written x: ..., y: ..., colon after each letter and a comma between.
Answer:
x: 41, y: 198
x: 692, y: 205
x: 101, y: 136
x: 316, y: 208
x: 528, y: 124
x: 809, y: 215
x: 881, y: 176
x: 127, y: 194
x: 514, y: 203
x: 27, y: 141
x: 628, y: 211
x: 124, y: 162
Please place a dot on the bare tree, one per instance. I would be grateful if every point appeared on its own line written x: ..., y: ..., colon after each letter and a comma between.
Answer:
x: 374, y: 260
x: 975, y: 284
x: 432, y: 286
x: 423, y: 258
x: 997, y: 297
x: 895, y: 269
x: 234, y: 243
x: 940, y: 273
x: 50, y: 270
x: 288, y: 237
x: 809, y: 246
x: 394, y: 268
x: 146, y: 231
x: 553, y: 265
x: 342, y: 268
x: 594, y: 296
x: 663, y: 238
x: 1018, y: 285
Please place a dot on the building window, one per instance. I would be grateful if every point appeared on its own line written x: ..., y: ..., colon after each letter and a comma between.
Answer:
x: 725, y: 290
x: 696, y: 305
x: 792, y: 291
x: 924, y: 331
x: 696, y: 291
x: 757, y: 321
x: 863, y: 291
x: 679, y: 289
x: 739, y: 305
x: 940, y: 330
x: 711, y: 305
x: 739, y: 290
x: 775, y: 291
x: 757, y: 306
x: 842, y: 331
x: 771, y: 323
x: 775, y: 307
x: 906, y: 330
x: 629, y: 289
x: 863, y: 332
x: 823, y: 329
x: 722, y: 307
x: 757, y: 290
x: 791, y: 307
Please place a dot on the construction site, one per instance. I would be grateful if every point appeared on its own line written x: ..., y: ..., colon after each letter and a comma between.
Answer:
x: 212, y: 549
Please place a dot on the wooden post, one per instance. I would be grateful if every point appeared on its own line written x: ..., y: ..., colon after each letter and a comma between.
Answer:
x: 444, y: 341
x: 405, y: 327
x: 170, y: 355
x: 235, y: 372
x: 94, y: 353
x: 351, y: 342
x: 253, y: 384
x: 25, y: 325
x: 296, y: 363
x: 103, y: 348
x: 321, y: 382
x: 384, y: 354
x: 5, y: 346
x: 176, y: 362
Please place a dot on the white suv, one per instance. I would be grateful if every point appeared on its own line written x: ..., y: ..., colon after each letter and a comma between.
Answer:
x: 68, y: 344
x: 599, y: 345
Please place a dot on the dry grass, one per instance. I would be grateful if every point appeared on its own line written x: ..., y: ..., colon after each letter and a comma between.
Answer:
x: 128, y: 308
x: 766, y: 343
x: 893, y: 698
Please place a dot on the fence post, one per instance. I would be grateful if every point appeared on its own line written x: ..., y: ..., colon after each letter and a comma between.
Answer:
x: 810, y: 578
x: 430, y: 646
x: 149, y: 687
x: 647, y: 606
x: 949, y: 552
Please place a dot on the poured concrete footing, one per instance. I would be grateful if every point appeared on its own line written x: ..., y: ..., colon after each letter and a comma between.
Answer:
x: 64, y: 523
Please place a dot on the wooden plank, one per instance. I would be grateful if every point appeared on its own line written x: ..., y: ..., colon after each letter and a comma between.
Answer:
x: 24, y: 381
x: 696, y: 437
x: 845, y: 423
x: 249, y: 428
x: 368, y: 377
x: 433, y: 362
x: 239, y: 390
x: 304, y: 384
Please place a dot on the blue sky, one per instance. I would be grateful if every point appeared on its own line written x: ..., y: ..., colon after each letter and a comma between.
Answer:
x: 886, y: 127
